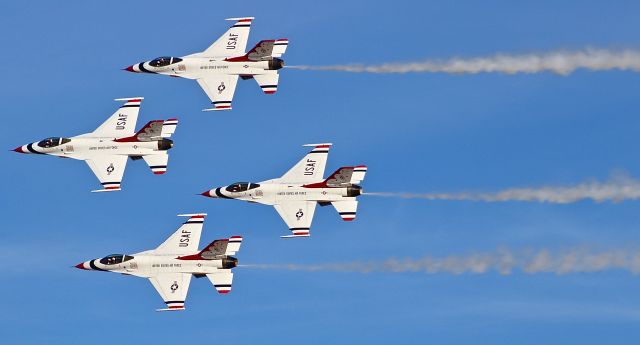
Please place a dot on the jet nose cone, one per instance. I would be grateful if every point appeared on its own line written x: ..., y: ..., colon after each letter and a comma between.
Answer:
x: 19, y: 149
x: 81, y: 266
x: 130, y: 69
x: 208, y: 194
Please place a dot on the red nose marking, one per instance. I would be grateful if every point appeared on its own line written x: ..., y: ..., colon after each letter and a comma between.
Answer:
x: 18, y: 149
x: 130, y: 69
x: 81, y: 266
x: 205, y: 194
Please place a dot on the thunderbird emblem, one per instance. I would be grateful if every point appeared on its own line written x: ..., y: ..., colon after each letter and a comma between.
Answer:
x: 299, y: 214
x: 110, y: 169
x: 174, y: 287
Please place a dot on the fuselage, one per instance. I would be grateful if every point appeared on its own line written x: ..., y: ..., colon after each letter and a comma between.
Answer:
x: 190, y: 67
x: 147, y: 264
x: 85, y: 146
x: 272, y: 192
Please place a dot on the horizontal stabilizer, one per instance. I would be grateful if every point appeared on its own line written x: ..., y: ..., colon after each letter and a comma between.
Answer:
x: 220, y: 248
x: 268, y: 82
x: 169, y: 127
x: 234, y: 245
x: 157, y: 162
x: 265, y: 50
x: 346, y: 208
x: 279, y: 47
x: 222, y: 279
x: 343, y: 177
x: 358, y: 174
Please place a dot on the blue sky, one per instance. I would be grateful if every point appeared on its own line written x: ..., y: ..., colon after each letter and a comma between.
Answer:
x: 416, y: 132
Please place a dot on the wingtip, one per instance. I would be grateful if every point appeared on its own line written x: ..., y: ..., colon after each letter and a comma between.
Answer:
x: 241, y: 18
x: 170, y: 309
x: 318, y: 145
x: 216, y: 109
x: 192, y: 215
x: 129, y: 99
x: 106, y: 190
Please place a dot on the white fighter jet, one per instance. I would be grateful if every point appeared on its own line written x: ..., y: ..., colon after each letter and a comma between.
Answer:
x: 170, y: 266
x: 296, y: 193
x: 107, y: 148
x: 218, y: 67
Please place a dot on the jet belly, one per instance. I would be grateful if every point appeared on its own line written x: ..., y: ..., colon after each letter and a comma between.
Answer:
x: 209, y: 66
x: 299, y: 193
x: 157, y: 264
x: 82, y: 148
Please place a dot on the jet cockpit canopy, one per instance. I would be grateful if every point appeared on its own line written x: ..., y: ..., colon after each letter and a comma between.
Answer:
x: 164, y: 61
x: 114, y: 259
x: 241, y: 187
x: 52, y: 142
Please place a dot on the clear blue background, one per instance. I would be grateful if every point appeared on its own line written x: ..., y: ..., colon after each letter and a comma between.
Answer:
x: 416, y: 132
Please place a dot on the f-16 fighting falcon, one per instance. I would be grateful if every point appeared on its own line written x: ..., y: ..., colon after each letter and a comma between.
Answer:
x: 170, y: 266
x: 107, y: 148
x: 296, y: 193
x: 218, y: 67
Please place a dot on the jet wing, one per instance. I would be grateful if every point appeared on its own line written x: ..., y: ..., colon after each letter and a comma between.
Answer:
x: 109, y: 170
x: 298, y: 215
x: 233, y: 42
x: 123, y: 122
x: 173, y: 288
x: 220, y: 89
x: 222, y: 280
x: 311, y: 168
x: 186, y: 239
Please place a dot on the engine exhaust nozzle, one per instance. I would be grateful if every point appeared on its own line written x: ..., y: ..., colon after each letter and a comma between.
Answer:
x: 276, y: 64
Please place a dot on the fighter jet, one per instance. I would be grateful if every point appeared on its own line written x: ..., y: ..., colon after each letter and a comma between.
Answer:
x: 296, y: 193
x: 170, y: 266
x: 107, y: 148
x: 218, y: 67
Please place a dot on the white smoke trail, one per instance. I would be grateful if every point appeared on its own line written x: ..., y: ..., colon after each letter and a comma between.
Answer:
x: 617, y: 188
x: 560, y: 62
x: 503, y: 261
